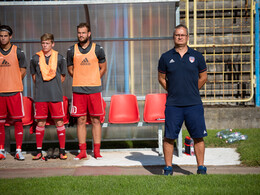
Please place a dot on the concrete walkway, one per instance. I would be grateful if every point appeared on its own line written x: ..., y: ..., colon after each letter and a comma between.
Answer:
x: 213, y: 156
x: 125, y: 162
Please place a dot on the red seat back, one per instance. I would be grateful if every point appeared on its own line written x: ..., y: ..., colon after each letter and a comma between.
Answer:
x: 66, y: 118
x: 28, y: 113
x: 123, y: 109
x: 154, y: 108
x: 102, y: 118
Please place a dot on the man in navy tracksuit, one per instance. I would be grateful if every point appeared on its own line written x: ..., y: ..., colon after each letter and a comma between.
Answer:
x: 182, y: 72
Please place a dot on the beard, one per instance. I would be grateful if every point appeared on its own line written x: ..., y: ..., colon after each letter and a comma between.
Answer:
x: 84, y: 40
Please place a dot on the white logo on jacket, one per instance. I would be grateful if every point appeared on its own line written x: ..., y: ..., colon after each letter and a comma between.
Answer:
x: 172, y: 61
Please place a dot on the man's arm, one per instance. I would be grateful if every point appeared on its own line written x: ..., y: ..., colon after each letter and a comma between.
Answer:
x: 202, y: 79
x: 70, y: 66
x: 23, y: 72
x: 62, y: 77
x: 22, y: 62
x: 162, y: 80
x: 103, y: 68
x: 33, y: 77
x: 70, y: 70
x: 32, y: 68
x: 63, y: 68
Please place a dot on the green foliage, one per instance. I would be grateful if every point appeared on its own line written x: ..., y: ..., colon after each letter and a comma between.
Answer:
x: 249, y: 149
x: 191, y: 184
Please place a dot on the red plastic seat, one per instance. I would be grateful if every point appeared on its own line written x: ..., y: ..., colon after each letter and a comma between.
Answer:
x: 102, y: 118
x: 154, y: 108
x: 66, y: 118
x: 123, y: 109
x: 28, y: 113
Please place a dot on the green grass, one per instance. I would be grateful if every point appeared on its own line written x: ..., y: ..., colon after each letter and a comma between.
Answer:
x: 192, y: 184
x: 249, y: 149
x: 155, y: 184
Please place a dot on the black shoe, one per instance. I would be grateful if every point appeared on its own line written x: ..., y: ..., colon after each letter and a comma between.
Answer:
x: 202, y: 170
x: 63, y: 155
x: 168, y: 170
x: 38, y: 155
x: 50, y: 153
x: 56, y: 153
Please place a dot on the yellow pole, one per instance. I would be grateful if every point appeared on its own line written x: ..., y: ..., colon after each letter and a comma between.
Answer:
x: 132, y: 76
x: 195, y: 21
x: 252, y: 46
x: 187, y: 15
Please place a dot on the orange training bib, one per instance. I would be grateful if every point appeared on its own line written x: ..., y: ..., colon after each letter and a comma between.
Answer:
x: 10, y: 74
x: 86, y: 68
x: 48, y: 70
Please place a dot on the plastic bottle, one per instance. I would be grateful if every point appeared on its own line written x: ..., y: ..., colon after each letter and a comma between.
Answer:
x: 192, y: 153
x: 236, y: 137
x: 243, y: 137
x: 231, y: 140
x: 189, y: 146
x: 224, y: 133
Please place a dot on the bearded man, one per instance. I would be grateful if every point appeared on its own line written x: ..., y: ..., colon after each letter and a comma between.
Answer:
x: 87, y: 64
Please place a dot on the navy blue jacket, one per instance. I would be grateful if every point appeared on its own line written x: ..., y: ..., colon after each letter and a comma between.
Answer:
x: 182, y: 76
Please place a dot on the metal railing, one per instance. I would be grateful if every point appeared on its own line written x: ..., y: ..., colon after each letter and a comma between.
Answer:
x: 223, y: 31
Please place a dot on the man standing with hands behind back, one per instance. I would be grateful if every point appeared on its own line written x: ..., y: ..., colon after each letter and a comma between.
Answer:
x: 12, y: 71
x: 48, y: 69
x: 86, y: 63
x: 182, y: 72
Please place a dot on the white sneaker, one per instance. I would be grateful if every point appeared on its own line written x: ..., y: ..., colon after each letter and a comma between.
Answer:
x: 19, y: 155
x: 2, y: 155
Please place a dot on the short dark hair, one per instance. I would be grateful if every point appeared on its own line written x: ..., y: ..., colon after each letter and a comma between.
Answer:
x: 181, y: 26
x: 82, y: 25
x: 7, y: 29
x: 47, y: 36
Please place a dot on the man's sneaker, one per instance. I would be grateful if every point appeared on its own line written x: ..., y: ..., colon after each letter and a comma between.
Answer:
x: 80, y: 156
x: 168, y: 170
x: 19, y: 155
x: 202, y: 170
x: 63, y: 155
x: 2, y: 155
x: 38, y: 156
x: 49, y: 153
x: 56, y: 153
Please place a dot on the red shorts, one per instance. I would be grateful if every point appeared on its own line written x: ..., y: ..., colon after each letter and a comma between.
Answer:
x: 87, y: 103
x: 42, y: 109
x: 12, y: 106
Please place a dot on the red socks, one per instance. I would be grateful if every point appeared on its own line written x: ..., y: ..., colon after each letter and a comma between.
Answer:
x: 97, y: 151
x: 2, y: 134
x: 62, y: 136
x: 83, y: 153
x: 39, y: 136
x: 18, y: 131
